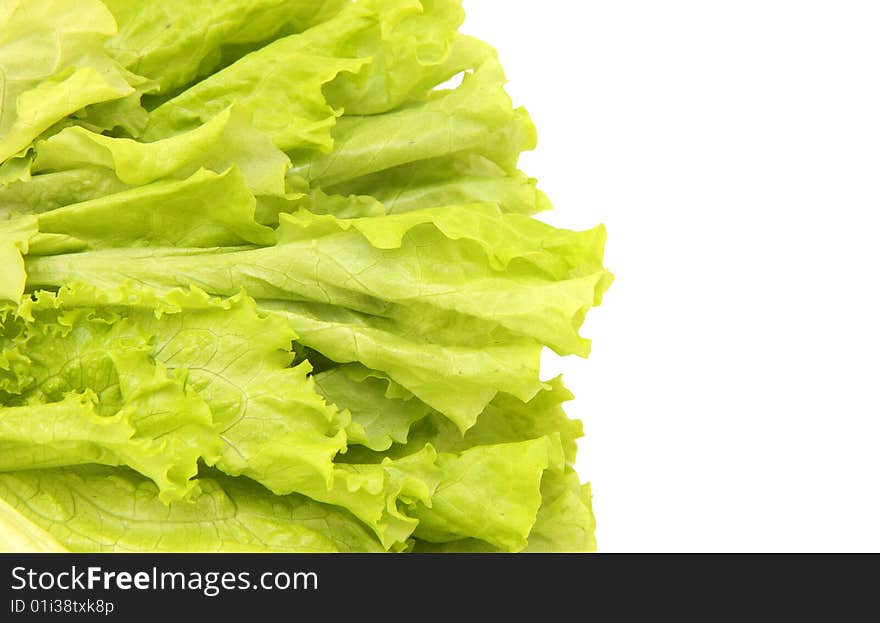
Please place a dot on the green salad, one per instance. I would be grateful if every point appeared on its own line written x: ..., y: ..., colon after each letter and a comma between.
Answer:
x: 270, y: 281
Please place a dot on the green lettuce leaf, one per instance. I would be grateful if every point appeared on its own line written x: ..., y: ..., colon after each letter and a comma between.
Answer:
x: 372, y: 56
x: 16, y: 169
x: 204, y: 210
x: 412, y: 48
x: 18, y: 534
x: 382, y: 412
x: 457, y: 380
x: 475, y: 118
x: 451, y: 267
x: 70, y: 432
x: 454, y: 180
x: 125, y: 116
x: 15, y: 236
x: 274, y: 427
x: 91, y: 394
x: 47, y: 191
x: 270, y: 281
x: 54, y: 64
x: 380, y: 494
x: 174, y: 43
x: 473, y: 261
x: 279, y: 84
x: 251, y: 403
x: 97, y: 509
x: 506, y: 420
x: 490, y: 493
x: 270, y: 209
x: 565, y: 523
x: 225, y: 140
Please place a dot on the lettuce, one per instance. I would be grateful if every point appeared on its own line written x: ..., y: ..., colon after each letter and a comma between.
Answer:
x: 17, y: 534
x: 98, y: 509
x: 175, y: 43
x: 267, y: 285
x: 54, y: 65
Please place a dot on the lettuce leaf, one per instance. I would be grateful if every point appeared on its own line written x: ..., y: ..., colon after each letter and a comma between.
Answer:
x: 421, y: 268
x: 47, y: 191
x: 177, y: 42
x: 204, y: 210
x: 458, y: 380
x: 564, y: 524
x: 18, y: 534
x: 268, y: 282
x: 274, y: 427
x: 454, y: 180
x: 96, y: 509
x: 491, y: 493
x: 15, y: 236
x: 225, y: 140
x: 476, y: 118
x: 91, y: 394
x: 451, y: 259
x: 377, y: 421
x: 54, y: 64
x: 372, y: 56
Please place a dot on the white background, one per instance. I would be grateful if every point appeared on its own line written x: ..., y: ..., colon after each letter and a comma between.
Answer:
x: 733, y: 151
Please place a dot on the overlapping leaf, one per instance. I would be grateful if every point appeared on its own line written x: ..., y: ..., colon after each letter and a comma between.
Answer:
x: 268, y: 283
